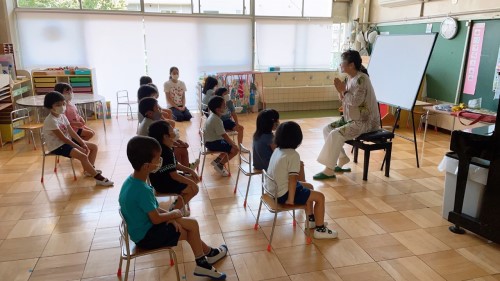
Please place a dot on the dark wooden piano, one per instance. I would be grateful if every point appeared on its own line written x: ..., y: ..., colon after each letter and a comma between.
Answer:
x: 483, y: 143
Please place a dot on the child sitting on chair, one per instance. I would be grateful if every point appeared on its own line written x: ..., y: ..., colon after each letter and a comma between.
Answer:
x: 149, y: 108
x: 167, y: 179
x: 75, y: 120
x: 216, y: 138
x: 209, y: 88
x: 152, y: 227
x: 284, y: 168
x: 230, y: 118
x: 151, y: 91
x: 62, y: 140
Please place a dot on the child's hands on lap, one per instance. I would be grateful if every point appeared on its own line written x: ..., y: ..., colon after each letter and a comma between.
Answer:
x: 175, y: 214
x: 289, y: 202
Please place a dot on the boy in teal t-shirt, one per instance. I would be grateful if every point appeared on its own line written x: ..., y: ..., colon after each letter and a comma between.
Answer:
x: 149, y: 225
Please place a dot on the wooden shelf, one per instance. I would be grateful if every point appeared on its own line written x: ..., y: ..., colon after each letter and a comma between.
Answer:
x: 5, y: 105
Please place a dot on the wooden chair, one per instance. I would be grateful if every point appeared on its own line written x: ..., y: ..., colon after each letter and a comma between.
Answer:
x: 20, y: 120
x: 123, y: 99
x: 270, y: 200
x: 204, y: 152
x: 47, y: 153
x: 245, y: 167
x: 130, y: 251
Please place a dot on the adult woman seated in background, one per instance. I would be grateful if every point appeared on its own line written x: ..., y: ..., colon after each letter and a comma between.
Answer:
x: 361, y: 115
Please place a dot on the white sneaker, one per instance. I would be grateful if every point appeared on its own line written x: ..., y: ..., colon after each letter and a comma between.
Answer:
x: 104, y: 182
x: 212, y: 273
x: 325, y: 233
x: 221, y: 170
x: 312, y: 224
x: 222, y: 253
x: 195, y: 164
x: 89, y: 175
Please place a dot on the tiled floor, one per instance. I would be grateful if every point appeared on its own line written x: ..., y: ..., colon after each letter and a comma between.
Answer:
x: 389, y: 228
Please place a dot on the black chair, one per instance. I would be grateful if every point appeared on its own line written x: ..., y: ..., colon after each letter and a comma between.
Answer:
x: 376, y: 140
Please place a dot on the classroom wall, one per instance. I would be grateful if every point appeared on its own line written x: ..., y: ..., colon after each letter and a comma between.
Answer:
x: 4, y: 26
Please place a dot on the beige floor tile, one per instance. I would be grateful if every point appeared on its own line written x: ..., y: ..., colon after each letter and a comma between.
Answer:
x: 109, y: 219
x: 310, y: 259
x: 393, y: 222
x: 343, y: 252
x: 53, y: 196
x: 453, y: 240
x: 413, y: 173
x: 372, y: 205
x: 383, y: 247
x: 368, y: 272
x: 428, y: 198
x: 434, y: 183
x: 402, y: 202
x: 103, y: 262
x: 341, y: 209
x: 160, y: 259
x: 359, y: 226
x: 77, y: 223
x: 410, y: 268
x: 420, y: 242
x: 65, y: 267
x: 486, y: 278
x: 286, y: 235
x: 452, y: 266
x: 33, y: 227
x: 258, y: 266
x: 245, y: 241
x: 11, y: 213
x: 485, y: 256
x: 6, y: 227
x: 105, y: 238
x: 23, y: 248
x: 19, y: 270
x: 354, y: 191
x: 16, y: 199
x: 408, y: 186
x: 68, y: 243
x: 324, y: 275
x: 236, y: 221
x: 425, y: 217
x: 44, y: 210
x: 83, y: 206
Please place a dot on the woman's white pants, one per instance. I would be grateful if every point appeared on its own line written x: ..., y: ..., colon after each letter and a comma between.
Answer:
x: 333, y: 147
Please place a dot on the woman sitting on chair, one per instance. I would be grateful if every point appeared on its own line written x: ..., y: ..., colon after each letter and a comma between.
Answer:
x: 361, y: 115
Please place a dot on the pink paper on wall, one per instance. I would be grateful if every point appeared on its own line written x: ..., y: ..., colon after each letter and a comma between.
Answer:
x: 476, y: 45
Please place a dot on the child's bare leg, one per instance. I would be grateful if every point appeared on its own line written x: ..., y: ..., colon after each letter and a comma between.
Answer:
x: 234, y: 151
x: 83, y: 158
x: 309, y: 203
x: 187, y: 194
x: 87, y: 133
x: 191, y: 233
x: 238, y: 128
x: 182, y: 155
x: 319, y: 206
x: 92, y: 153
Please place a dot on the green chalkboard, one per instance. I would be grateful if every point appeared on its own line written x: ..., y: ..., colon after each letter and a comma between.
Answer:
x: 443, y: 70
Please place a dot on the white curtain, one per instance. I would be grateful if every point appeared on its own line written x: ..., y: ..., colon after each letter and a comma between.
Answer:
x: 196, y: 46
x: 113, y: 45
x: 300, y: 44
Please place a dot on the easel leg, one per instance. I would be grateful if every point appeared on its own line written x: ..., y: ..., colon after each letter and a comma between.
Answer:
x: 415, y: 138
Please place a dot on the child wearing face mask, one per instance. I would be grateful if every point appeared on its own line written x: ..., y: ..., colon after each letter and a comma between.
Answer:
x: 149, y: 108
x: 209, y: 88
x: 167, y: 179
x: 229, y: 118
x: 175, y: 92
x: 151, y: 91
x: 75, y: 120
x: 62, y: 140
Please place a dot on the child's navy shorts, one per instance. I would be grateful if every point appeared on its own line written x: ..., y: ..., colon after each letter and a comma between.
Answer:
x: 218, y: 145
x: 301, y: 195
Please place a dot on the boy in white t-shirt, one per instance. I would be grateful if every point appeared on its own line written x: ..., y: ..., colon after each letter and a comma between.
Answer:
x: 175, y: 92
x: 62, y: 140
x: 284, y: 168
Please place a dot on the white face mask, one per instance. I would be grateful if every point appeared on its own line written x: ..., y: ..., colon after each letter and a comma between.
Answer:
x: 69, y: 96
x: 59, y: 109
x: 175, y: 76
x: 227, y: 97
x: 177, y: 134
x: 158, y: 166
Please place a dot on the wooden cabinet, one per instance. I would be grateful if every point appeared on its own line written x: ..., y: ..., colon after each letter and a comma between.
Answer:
x: 9, y: 93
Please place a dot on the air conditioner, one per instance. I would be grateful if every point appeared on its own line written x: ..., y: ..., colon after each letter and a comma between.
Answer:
x: 399, y: 3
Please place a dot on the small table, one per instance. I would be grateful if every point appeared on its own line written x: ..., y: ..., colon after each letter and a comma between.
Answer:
x: 78, y: 99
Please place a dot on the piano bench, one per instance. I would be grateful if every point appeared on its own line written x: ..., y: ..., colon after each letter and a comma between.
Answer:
x: 376, y: 140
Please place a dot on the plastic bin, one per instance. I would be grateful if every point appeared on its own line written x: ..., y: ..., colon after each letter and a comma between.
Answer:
x: 476, y: 181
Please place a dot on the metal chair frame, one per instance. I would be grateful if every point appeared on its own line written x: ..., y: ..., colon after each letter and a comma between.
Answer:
x: 245, y: 162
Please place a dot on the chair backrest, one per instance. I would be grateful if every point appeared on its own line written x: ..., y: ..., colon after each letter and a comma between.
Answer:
x: 202, y: 139
x: 243, y: 158
x: 19, y: 117
x: 267, y: 180
x: 122, y: 96
x: 124, y: 238
x: 43, y: 143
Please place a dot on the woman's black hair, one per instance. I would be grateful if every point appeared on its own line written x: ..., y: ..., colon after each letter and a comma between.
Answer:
x: 158, y: 129
x: 144, y: 80
x: 265, y: 122
x: 352, y: 56
x: 214, y: 103
x: 146, y: 91
x: 61, y: 87
x: 52, y: 98
x: 172, y: 69
x: 210, y: 83
x: 220, y: 92
x: 288, y: 135
x: 141, y: 150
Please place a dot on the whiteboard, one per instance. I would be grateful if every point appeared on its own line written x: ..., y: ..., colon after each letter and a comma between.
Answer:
x: 397, y: 67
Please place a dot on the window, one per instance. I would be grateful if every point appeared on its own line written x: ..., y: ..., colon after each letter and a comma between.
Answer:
x: 168, y: 6
x: 222, y: 7
x: 49, y: 4
x: 318, y: 8
x: 126, y: 5
x: 291, y: 8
